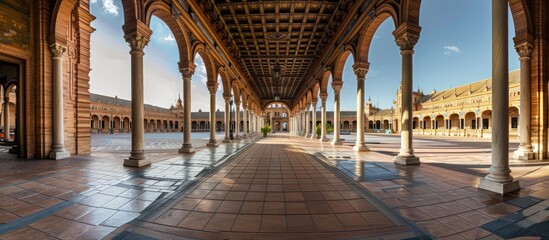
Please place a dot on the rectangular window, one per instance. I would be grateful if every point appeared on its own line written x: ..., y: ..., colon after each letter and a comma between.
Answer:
x: 514, y: 122
x: 485, y: 123
x: 473, y: 124
x: 462, y: 123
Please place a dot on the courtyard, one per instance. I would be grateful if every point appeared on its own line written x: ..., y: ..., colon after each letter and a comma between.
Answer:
x: 272, y: 188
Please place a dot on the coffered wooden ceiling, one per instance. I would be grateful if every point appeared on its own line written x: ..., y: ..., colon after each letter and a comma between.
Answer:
x: 290, y: 34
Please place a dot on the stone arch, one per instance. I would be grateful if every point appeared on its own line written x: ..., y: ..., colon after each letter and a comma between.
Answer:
x: 209, y: 63
x: 387, y: 10
x: 339, y: 65
x: 324, y: 79
x: 267, y: 103
x: 225, y: 80
x: 309, y: 97
x: 315, y: 91
x: 161, y: 10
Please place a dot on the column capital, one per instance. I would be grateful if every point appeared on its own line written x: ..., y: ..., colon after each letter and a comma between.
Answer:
x: 323, y: 96
x: 524, y: 50
x: 57, y: 50
x: 406, y: 42
x: 361, y: 68
x: 137, y: 40
x: 212, y: 87
x: 187, y: 71
x: 337, y: 86
x: 227, y: 98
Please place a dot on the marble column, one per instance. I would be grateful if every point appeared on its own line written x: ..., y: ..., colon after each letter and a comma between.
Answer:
x: 227, y: 119
x: 360, y: 70
x: 337, y: 117
x: 137, y: 43
x: 245, y: 122
x: 213, y: 141
x: 406, y: 156
x: 499, y: 179
x: 525, y: 151
x: 302, y: 123
x: 187, y: 146
x: 58, y: 146
x: 237, y: 120
x: 307, y: 120
x: 6, y: 115
x: 323, y: 118
x: 313, y: 135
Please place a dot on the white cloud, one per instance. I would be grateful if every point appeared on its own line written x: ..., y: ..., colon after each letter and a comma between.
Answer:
x: 169, y: 38
x: 110, y: 7
x: 449, y: 50
x: 93, y: 1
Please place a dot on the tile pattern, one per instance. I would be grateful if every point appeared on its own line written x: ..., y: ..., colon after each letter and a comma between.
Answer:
x: 94, y: 195
x: 272, y: 189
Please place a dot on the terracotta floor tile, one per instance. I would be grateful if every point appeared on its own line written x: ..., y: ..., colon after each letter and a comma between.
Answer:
x: 235, y: 195
x: 96, y: 232
x: 414, y: 214
x: 274, y: 208
x: 361, y: 205
x: 476, y: 233
x: 60, y: 227
x: 221, y: 222
x: 333, y: 195
x: 255, y: 196
x: 187, y: 203
x: 293, y: 197
x: 436, y: 228
x: 340, y: 206
x: 75, y: 211
x: 273, y: 223
x: 247, y: 223
x: 456, y: 223
x: 326, y: 223
x: 208, y: 205
x: 275, y: 188
x: 6, y: 217
x: 300, y: 223
x: 251, y: 208
x: 172, y: 217
x: 296, y: 208
x: 377, y: 219
x: 216, y: 195
x: 25, y: 233
x: 274, y: 196
x: 454, y: 207
x: 196, y: 220
x: 434, y: 211
x: 352, y: 221
x: 476, y: 218
x: 316, y: 207
x: 230, y: 207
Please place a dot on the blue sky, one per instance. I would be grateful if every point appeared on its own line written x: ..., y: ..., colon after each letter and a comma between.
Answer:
x: 454, y: 49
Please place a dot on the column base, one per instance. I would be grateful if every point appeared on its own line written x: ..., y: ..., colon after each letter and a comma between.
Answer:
x: 523, y: 154
x: 59, y: 154
x: 237, y: 138
x: 212, y: 143
x: 313, y: 137
x: 337, y: 142
x: 186, y: 148
x: 324, y: 139
x: 137, y: 163
x: 497, y: 187
x: 360, y: 148
x: 407, y: 160
x: 244, y: 137
x: 307, y: 135
x: 227, y: 140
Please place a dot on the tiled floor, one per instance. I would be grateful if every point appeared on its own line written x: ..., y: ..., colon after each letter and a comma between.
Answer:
x: 272, y: 190
x: 281, y: 187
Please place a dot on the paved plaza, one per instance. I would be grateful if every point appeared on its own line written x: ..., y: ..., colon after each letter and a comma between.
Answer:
x: 279, y: 187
